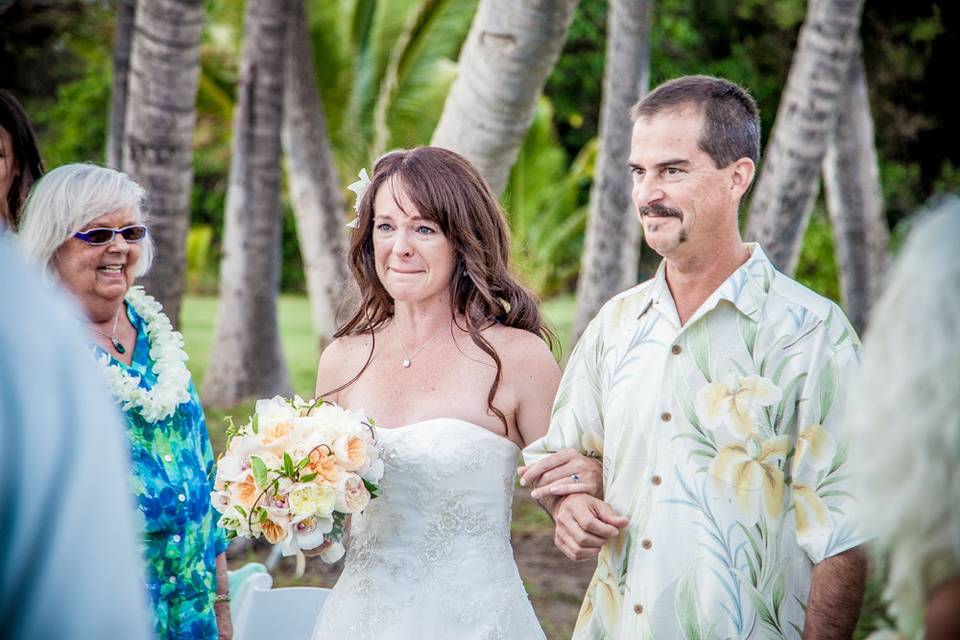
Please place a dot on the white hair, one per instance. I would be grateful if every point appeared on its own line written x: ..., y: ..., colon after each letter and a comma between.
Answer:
x: 904, y: 417
x: 67, y: 199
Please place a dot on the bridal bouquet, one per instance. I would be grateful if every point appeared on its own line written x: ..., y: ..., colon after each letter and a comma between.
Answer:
x: 294, y: 471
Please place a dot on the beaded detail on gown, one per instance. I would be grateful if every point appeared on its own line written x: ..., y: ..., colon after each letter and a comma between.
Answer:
x: 431, y: 557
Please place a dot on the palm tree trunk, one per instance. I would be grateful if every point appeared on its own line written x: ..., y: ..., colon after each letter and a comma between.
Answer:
x: 246, y: 357
x: 314, y: 184
x: 510, y: 50
x: 612, y: 244
x: 123, y: 43
x: 854, y: 200
x: 158, y: 140
x: 806, y: 118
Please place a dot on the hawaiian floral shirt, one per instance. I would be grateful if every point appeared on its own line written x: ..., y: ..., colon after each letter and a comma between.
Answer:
x: 172, y: 479
x: 720, y: 440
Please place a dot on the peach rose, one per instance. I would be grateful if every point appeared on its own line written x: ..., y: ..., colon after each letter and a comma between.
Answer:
x: 351, y: 452
x: 274, y: 531
x: 244, y: 492
x: 324, y: 464
x: 275, y: 433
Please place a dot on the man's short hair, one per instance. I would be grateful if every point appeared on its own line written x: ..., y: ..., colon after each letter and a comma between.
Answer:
x: 731, y: 120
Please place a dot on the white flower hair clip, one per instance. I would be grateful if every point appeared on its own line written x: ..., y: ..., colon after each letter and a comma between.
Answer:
x: 359, y: 187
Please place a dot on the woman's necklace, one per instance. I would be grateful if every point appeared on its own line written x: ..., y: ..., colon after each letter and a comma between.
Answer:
x: 408, y: 358
x: 113, y: 333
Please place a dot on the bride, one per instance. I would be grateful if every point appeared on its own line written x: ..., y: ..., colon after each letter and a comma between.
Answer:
x: 448, y: 354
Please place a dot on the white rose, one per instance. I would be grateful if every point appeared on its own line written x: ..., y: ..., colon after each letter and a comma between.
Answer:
x: 352, y: 495
x: 220, y: 500
x: 273, y: 411
x: 372, y: 472
x: 335, y: 421
x: 311, y: 499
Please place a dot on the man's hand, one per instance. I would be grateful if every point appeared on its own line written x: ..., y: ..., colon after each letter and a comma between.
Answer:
x: 562, y: 473
x: 584, y: 524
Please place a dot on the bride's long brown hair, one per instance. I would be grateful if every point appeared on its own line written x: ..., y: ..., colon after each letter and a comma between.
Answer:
x: 449, y: 191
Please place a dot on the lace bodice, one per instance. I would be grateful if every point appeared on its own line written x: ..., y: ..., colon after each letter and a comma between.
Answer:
x: 431, y: 557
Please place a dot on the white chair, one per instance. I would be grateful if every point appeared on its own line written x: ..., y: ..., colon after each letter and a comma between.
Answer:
x: 240, y: 582
x: 289, y: 613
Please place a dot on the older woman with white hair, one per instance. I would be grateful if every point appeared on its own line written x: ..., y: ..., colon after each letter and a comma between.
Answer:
x: 86, y: 226
x: 905, y: 423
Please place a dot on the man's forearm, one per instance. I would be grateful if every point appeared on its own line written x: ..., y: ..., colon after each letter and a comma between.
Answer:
x: 836, y: 596
x: 942, y: 619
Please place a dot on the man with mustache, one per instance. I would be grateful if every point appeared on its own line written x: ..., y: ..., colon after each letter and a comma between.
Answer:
x: 712, y: 394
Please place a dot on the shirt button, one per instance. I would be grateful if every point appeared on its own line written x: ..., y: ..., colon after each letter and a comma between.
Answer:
x: 172, y: 579
x: 168, y: 457
x: 646, y: 544
x: 638, y: 608
x: 182, y: 498
x: 666, y: 416
x: 656, y: 480
x: 676, y: 349
x: 176, y: 537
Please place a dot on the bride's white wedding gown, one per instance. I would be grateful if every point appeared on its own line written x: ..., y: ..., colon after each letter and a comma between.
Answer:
x: 431, y: 557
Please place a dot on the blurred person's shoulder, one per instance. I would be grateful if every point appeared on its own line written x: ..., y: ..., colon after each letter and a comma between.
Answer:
x: 38, y: 321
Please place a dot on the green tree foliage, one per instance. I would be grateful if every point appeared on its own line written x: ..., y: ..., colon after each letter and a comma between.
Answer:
x: 546, y: 206
x: 56, y: 62
x: 35, y: 38
x: 909, y: 49
x: 384, y: 68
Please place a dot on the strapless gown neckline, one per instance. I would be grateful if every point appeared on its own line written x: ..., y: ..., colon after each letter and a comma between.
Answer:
x: 441, y: 420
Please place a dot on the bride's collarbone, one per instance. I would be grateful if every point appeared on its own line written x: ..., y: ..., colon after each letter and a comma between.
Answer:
x: 450, y: 386
x: 401, y: 404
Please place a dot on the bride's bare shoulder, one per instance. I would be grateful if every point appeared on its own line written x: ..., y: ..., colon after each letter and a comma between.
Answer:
x: 518, y: 347
x: 340, y: 361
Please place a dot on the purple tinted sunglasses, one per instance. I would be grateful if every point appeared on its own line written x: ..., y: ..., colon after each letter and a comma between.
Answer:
x: 104, y: 235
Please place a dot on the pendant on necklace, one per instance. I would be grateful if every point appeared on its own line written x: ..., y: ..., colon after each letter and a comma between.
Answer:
x: 118, y: 346
x: 406, y: 363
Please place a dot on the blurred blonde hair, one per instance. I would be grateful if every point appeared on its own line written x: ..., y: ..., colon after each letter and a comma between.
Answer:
x: 904, y: 417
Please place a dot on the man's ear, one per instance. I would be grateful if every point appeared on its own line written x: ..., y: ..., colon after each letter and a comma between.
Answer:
x: 742, y: 176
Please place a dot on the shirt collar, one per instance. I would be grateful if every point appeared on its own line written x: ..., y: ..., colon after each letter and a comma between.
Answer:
x: 746, y: 288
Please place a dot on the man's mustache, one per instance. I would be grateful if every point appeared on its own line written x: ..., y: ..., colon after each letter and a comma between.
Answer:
x: 660, y: 211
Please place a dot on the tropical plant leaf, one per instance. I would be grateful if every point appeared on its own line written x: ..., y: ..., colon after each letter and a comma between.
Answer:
x: 787, y: 399
x: 698, y: 342
x: 828, y: 388
x: 748, y: 332
x: 687, y: 607
x: 259, y: 471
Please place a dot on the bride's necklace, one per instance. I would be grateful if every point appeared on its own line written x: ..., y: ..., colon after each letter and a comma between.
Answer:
x: 117, y: 345
x: 408, y: 358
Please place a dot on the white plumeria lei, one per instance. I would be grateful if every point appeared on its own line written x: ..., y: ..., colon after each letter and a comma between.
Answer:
x: 169, y: 364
